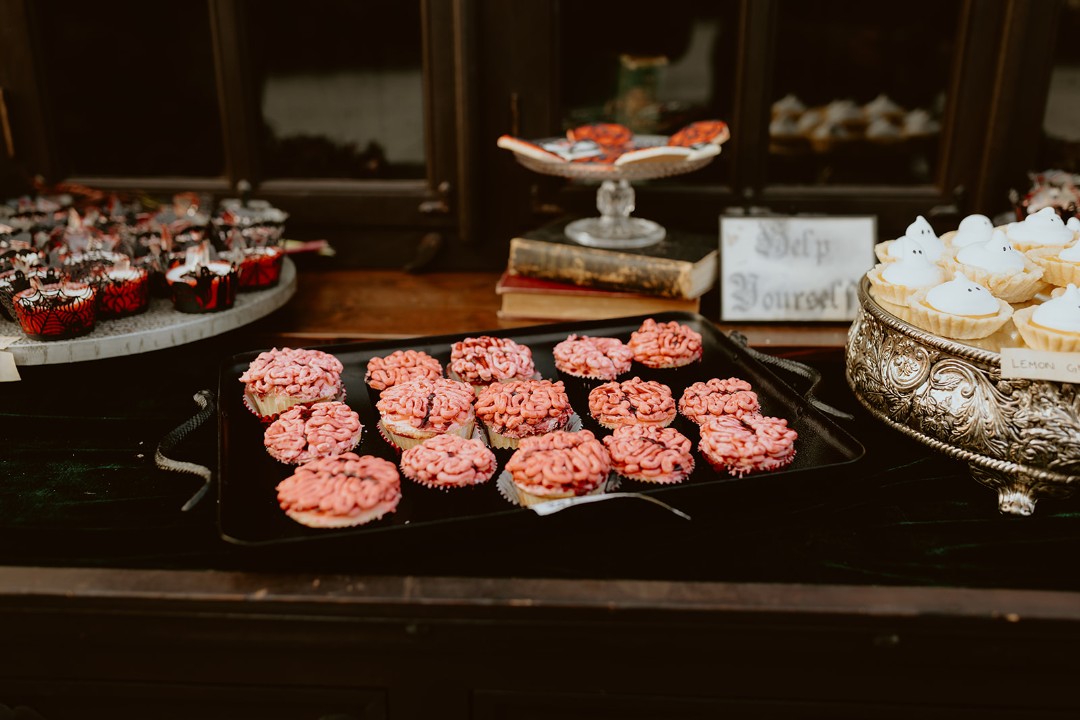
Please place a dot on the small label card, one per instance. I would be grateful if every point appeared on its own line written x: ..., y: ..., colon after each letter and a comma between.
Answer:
x: 1040, y: 365
x: 8, y: 371
x: 793, y: 268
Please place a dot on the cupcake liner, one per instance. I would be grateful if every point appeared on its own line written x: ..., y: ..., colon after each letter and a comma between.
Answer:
x: 320, y: 520
x: 957, y: 327
x: 515, y: 496
x: 274, y: 410
x: 1015, y: 288
x: 498, y: 441
x: 402, y: 443
x: 1040, y: 338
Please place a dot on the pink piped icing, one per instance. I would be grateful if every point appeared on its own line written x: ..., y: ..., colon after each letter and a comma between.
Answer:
x: 665, y: 345
x: 632, y: 402
x: 559, y: 462
x: 438, y: 405
x: 719, y: 396
x: 593, y: 357
x: 483, y: 360
x: 650, y: 453
x: 345, y: 485
x: 747, y: 444
x: 303, y: 374
x: 447, y: 461
x: 401, y: 366
x: 307, y: 432
x: 519, y: 408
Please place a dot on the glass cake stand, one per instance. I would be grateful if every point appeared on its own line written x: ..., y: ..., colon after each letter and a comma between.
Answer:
x: 615, y: 228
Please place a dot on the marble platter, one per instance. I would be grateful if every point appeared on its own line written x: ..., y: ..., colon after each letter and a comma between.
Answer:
x: 159, y: 327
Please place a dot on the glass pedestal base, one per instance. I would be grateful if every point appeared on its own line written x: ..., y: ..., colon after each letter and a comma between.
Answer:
x: 615, y: 233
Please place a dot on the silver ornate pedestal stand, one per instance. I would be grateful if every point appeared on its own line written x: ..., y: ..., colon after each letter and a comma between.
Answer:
x: 1019, y: 437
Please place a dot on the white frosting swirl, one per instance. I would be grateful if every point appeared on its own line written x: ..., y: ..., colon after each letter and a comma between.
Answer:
x: 783, y: 126
x: 881, y: 105
x: 788, y: 105
x: 1073, y: 224
x: 962, y: 297
x: 1071, y: 253
x: 921, y: 232
x: 809, y: 120
x: 842, y: 111
x: 913, y: 269
x: 973, y: 229
x: 1060, y: 313
x: 997, y: 255
x: 1042, y: 228
x: 882, y: 128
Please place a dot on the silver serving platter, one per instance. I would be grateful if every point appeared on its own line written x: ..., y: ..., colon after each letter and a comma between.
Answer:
x: 1019, y: 437
x: 159, y: 327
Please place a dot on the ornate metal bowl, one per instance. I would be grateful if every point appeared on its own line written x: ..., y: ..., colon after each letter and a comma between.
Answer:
x: 1019, y: 437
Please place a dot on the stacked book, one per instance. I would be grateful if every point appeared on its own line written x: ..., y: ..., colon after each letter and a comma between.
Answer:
x: 550, y: 277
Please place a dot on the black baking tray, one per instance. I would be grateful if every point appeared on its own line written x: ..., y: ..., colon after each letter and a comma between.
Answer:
x: 248, y: 513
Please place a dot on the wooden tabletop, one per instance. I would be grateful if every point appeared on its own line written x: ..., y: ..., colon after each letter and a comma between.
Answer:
x: 333, y: 305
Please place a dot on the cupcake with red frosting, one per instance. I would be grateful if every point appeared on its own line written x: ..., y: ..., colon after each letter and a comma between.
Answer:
x: 748, y: 444
x: 308, y: 432
x: 122, y: 290
x: 449, y: 461
x: 511, y: 411
x: 278, y: 379
x: 665, y: 345
x: 632, y: 402
x: 55, y: 311
x: 340, y: 491
x: 401, y: 366
x: 201, y: 285
x: 483, y: 360
x: 556, y: 465
x: 414, y: 411
x: 650, y: 454
x: 718, y: 396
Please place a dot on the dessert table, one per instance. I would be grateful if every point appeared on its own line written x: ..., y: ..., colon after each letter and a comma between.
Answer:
x: 885, y: 588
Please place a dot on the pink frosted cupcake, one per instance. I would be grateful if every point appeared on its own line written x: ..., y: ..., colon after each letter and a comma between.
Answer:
x: 518, y: 409
x: 401, y: 366
x: 483, y: 360
x: 448, y: 461
x: 307, y: 432
x: 592, y: 358
x: 718, y: 396
x: 650, y: 454
x: 414, y: 411
x: 558, y: 465
x: 632, y: 402
x: 278, y: 379
x: 744, y: 445
x: 665, y: 345
x: 340, y: 491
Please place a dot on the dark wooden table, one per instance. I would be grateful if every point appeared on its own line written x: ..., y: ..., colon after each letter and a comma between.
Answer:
x: 889, y: 589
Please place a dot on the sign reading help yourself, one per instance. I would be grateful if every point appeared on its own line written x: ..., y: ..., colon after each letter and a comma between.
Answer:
x: 793, y: 268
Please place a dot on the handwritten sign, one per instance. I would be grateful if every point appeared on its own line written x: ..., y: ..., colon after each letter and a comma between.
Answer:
x: 1040, y: 365
x: 793, y: 268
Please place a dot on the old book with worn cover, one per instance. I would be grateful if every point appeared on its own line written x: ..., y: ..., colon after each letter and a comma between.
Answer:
x: 683, y: 265
x: 527, y: 298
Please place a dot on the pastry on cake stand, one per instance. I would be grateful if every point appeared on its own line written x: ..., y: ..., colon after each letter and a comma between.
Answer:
x: 644, y: 157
